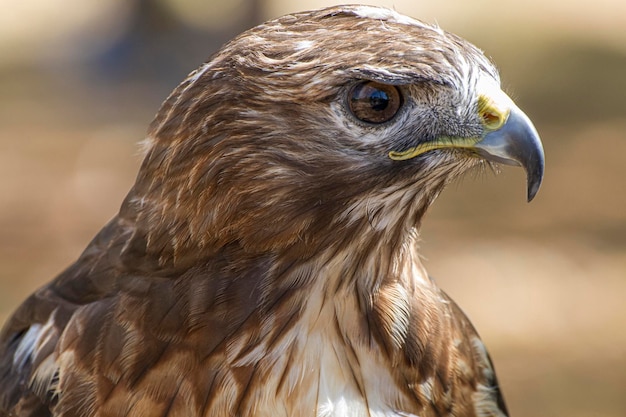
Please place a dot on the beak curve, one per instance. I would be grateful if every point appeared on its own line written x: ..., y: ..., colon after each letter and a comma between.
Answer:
x: 516, y: 143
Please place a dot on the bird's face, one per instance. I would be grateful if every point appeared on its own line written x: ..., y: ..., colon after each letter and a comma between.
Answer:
x: 439, y: 125
x: 348, y: 115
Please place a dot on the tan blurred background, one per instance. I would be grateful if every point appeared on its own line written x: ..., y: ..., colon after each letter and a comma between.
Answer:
x: 544, y: 283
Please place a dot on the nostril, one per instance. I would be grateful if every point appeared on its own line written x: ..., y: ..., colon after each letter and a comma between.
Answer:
x: 490, y: 114
x: 491, y: 119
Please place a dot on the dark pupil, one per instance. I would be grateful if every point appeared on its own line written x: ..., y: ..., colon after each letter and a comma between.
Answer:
x: 379, y: 100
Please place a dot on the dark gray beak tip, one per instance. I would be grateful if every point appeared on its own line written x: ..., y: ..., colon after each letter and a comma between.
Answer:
x: 534, y: 166
x: 534, y: 180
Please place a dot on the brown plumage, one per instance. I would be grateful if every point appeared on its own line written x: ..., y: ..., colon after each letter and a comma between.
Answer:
x: 265, y: 262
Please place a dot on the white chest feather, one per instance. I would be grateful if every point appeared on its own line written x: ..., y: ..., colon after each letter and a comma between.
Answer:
x: 319, y: 371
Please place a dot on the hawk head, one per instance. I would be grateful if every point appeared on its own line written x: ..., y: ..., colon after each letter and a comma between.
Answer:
x: 320, y: 126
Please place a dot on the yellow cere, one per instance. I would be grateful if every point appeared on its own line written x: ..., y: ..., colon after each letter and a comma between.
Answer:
x: 492, y: 116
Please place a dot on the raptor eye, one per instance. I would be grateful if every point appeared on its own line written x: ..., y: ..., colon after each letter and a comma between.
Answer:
x: 374, y: 102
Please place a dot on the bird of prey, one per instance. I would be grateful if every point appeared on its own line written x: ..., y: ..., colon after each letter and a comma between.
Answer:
x: 265, y: 262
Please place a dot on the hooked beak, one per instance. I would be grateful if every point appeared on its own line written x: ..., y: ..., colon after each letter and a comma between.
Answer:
x: 516, y: 143
x: 511, y: 139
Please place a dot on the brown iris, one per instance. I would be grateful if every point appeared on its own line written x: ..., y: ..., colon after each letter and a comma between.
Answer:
x: 374, y: 102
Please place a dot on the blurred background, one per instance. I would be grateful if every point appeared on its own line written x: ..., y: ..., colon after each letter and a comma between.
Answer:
x: 544, y: 283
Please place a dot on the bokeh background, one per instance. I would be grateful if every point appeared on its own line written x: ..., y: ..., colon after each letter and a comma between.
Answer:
x: 545, y: 283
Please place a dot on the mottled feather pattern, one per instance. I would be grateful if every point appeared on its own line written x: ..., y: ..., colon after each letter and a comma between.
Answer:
x: 266, y: 260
